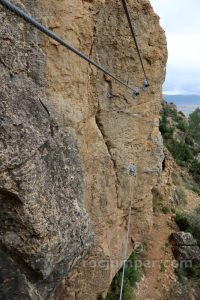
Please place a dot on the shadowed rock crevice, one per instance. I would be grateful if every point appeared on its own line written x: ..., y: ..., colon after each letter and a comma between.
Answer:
x: 108, y: 146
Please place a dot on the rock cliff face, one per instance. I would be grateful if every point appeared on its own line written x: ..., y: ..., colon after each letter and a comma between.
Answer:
x: 68, y: 136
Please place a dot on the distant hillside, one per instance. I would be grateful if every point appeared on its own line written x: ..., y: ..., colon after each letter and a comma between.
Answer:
x: 184, y: 103
x: 182, y: 138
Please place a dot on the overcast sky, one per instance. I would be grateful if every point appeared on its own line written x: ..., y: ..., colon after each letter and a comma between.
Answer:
x: 181, y: 21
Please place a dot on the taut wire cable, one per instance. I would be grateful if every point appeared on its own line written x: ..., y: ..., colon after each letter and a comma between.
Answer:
x: 128, y: 15
x: 13, y: 8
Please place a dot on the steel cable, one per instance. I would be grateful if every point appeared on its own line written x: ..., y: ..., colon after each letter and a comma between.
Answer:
x: 126, y: 9
x: 13, y: 8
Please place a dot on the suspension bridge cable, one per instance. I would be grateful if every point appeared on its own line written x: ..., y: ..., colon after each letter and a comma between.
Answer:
x: 13, y: 8
x: 126, y: 9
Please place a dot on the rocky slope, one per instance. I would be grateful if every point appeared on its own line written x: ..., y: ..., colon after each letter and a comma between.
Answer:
x: 68, y: 136
x: 172, y: 249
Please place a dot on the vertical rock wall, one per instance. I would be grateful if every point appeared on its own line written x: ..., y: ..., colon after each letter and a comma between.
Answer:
x: 44, y: 228
x: 111, y: 129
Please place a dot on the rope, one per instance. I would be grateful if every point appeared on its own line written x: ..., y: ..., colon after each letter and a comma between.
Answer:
x: 125, y: 251
x: 125, y: 5
x: 13, y: 8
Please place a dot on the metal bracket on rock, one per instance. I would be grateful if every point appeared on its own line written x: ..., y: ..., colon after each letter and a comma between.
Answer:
x: 133, y: 170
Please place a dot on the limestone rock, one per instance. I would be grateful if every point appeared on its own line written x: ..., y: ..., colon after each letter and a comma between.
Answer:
x: 13, y: 284
x: 185, y: 247
x: 44, y: 228
x: 183, y: 239
x: 69, y: 137
x: 176, y: 198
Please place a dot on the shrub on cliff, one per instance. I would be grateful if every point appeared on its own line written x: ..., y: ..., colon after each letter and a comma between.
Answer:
x: 131, y: 277
x: 195, y: 170
x: 166, y: 131
x: 181, y: 152
x: 189, y: 223
x: 184, y: 152
x: 194, y: 124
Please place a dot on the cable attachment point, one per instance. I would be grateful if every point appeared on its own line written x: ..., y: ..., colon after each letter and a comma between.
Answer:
x: 136, y: 92
x: 133, y: 170
x: 145, y: 84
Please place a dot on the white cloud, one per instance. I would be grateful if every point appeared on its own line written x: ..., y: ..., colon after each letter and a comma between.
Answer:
x: 180, y: 19
x: 184, y: 50
x: 178, y: 92
x: 178, y: 15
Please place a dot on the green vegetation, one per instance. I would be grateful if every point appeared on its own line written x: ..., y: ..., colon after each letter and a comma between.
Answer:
x: 188, y: 272
x: 173, y: 210
x: 177, y: 118
x: 162, y: 267
x: 181, y: 195
x: 181, y: 152
x: 196, y: 190
x: 182, y: 222
x: 167, y: 131
x: 194, y: 169
x: 198, y: 210
x: 157, y: 200
x: 182, y: 138
x: 132, y: 275
x: 194, y: 187
x: 189, y: 223
x: 166, y: 210
x: 194, y: 125
x: 186, y: 149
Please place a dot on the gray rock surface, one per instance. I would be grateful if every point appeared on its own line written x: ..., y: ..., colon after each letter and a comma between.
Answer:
x: 185, y: 247
x: 187, y: 291
x: 183, y: 239
x: 44, y: 229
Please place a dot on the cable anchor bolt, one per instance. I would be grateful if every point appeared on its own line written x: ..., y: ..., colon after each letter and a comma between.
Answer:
x: 136, y: 92
x: 145, y: 84
x: 133, y: 170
